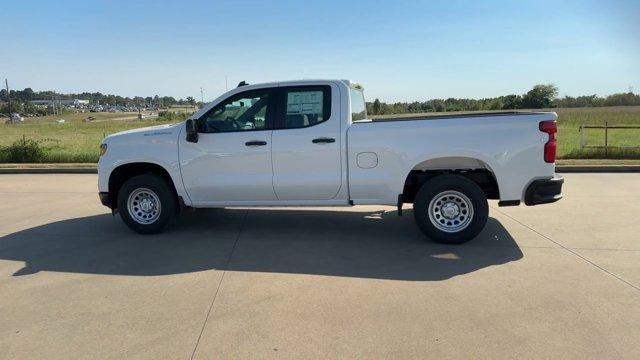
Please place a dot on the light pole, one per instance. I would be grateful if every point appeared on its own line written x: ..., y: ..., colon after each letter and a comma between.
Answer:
x: 6, y: 84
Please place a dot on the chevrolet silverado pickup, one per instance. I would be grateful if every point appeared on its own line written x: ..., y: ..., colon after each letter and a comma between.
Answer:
x: 310, y: 143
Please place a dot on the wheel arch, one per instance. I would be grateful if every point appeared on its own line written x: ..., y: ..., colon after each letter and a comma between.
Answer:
x: 475, y: 169
x: 122, y: 173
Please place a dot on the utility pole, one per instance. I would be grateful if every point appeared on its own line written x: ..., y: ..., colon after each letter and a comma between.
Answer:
x: 226, y: 87
x: 6, y: 84
x: 201, y: 95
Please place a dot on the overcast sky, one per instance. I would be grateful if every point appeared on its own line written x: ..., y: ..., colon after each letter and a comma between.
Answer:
x: 399, y: 51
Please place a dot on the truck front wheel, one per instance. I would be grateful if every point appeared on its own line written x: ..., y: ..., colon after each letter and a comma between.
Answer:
x: 146, y: 204
x: 451, y: 209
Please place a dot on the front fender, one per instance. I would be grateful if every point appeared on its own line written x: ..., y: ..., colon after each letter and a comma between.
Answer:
x: 161, y: 150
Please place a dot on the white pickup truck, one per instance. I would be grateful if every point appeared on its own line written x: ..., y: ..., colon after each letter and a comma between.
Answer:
x: 310, y: 143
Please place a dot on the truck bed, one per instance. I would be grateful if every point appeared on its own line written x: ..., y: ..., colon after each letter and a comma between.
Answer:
x: 508, y: 144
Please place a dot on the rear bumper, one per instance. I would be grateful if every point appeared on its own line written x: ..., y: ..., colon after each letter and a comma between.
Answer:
x: 104, y: 199
x: 544, y: 191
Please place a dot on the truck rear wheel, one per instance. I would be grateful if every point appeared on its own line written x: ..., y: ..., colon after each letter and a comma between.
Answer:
x: 451, y: 209
x: 146, y: 204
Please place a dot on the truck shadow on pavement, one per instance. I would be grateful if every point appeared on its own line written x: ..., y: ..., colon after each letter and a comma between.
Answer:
x: 353, y: 243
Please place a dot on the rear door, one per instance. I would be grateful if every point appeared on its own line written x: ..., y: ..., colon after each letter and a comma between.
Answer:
x: 306, y: 143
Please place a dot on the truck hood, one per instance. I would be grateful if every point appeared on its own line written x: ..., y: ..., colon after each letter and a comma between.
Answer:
x: 157, y: 130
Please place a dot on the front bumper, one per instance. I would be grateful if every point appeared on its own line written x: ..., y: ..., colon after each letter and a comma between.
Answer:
x: 544, y: 191
x: 104, y: 199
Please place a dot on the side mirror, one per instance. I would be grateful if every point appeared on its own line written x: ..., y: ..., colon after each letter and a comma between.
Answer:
x: 191, y: 129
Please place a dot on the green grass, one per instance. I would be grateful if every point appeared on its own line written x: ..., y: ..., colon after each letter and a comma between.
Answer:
x: 77, y: 142
x: 74, y: 141
x: 598, y: 162
x: 569, y: 121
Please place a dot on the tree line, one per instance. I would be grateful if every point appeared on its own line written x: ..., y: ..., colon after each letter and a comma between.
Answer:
x: 95, y: 98
x: 539, y: 97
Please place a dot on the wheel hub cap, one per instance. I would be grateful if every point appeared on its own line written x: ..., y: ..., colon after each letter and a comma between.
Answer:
x: 144, y: 206
x: 450, y: 211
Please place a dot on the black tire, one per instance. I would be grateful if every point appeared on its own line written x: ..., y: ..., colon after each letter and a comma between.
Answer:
x: 164, y: 193
x: 457, y: 184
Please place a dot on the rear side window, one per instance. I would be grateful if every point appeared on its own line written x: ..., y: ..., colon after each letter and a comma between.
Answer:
x: 358, y: 107
x: 306, y: 106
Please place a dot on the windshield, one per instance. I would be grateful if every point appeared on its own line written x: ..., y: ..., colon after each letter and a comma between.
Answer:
x: 358, y: 106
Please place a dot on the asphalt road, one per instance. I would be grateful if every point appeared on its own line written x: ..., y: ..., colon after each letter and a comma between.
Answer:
x: 553, y: 281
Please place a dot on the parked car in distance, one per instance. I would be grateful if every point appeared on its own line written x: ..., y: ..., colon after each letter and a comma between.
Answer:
x: 310, y: 142
x: 14, y: 119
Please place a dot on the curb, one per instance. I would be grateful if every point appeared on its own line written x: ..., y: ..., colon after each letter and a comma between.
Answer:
x: 559, y: 169
x: 598, y: 168
x: 48, y: 170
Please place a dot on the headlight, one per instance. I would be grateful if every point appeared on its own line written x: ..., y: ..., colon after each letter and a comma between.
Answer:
x: 103, y: 149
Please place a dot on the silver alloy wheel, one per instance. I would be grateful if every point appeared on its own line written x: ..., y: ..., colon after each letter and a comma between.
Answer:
x: 450, y: 211
x: 144, y: 206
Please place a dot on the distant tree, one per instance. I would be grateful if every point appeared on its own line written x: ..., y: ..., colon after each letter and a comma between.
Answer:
x: 168, y: 101
x: 138, y: 101
x: 191, y: 100
x: 580, y: 101
x: 384, y: 109
x: 512, y: 102
x: 541, y: 96
x: 495, y: 104
x: 625, y: 99
x: 414, y: 107
x: 376, y: 107
x: 110, y: 99
x: 438, y: 105
x: 25, y: 95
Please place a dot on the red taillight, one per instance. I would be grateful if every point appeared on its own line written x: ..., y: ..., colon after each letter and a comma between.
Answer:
x: 549, y: 127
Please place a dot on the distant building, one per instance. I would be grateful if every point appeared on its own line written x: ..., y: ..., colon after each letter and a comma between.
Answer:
x: 63, y: 102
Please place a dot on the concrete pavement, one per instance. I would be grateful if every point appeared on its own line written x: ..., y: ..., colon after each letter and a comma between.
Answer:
x: 553, y: 281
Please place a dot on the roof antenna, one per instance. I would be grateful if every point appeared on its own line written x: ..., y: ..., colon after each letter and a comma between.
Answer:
x: 242, y: 83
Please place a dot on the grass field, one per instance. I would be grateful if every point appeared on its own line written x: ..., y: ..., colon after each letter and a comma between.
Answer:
x: 569, y: 121
x: 77, y: 141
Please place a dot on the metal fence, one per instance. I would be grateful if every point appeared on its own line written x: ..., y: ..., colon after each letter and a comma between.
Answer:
x: 606, y: 133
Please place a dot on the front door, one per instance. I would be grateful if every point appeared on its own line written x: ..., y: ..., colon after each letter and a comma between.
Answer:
x: 232, y: 159
x: 306, y: 144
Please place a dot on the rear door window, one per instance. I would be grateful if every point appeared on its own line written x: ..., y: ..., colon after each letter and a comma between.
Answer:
x: 306, y: 106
